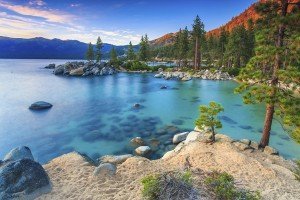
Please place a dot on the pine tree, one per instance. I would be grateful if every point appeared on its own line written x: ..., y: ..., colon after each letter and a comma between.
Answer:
x: 98, y: 50
x: 113, y: 57
x: 185, y: 45
x: 130, y: 52
x: 144, y: 52
x: 272, y: 74
x: 90, y: 52
x: 178, y: 47
x: 208, y: 117
x: 198, y: 36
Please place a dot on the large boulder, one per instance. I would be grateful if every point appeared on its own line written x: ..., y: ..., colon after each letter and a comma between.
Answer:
x: 18, y: 154
x: 107, y: 71
x: 114, y: 159
x: 180, y: 137
x: 143, y: 150
x: 77, y: 72
x: 21, y: 178
x: 105, y: 169
x: 193, y: 136
x: 40, y: 105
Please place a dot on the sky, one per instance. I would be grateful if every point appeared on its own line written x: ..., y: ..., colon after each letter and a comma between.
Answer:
x: 116, y: 22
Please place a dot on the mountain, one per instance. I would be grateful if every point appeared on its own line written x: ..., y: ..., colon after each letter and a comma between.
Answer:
x: 164, y: 40
x: 42, y: 48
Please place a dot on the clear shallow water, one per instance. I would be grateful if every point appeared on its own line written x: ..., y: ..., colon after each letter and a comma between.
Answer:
x: 94, y: 115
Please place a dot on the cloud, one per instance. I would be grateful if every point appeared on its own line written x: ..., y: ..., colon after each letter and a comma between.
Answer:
x: 75, y: 5
x: 37, y: 2
x: 48, y: 15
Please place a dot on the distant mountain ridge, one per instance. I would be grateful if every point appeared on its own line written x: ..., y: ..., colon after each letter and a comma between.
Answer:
x: 42, y: 48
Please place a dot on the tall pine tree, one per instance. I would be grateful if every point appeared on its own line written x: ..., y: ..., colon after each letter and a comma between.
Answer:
x: 90, y: 52
x: 113, y: 57
x: 198, y: 37
x: 130, y: 52
x: 272, y: 75
x: 98, y: 50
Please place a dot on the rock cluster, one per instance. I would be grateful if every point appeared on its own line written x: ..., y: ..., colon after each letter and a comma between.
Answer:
x: 21, y: 177
x: 203, y: 74
x: 40, y: 105
x: 84, y: 69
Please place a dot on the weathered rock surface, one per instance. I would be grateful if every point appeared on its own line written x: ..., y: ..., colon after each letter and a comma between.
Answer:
x: 142, y: 150
x: 40, y: 105
x: 21, y: 177
x: 180, y: 137
x: 18, y: 154
x: 84, y: 69
x: 270, y: 150
x: 105, y: 169
x: 115, y: 159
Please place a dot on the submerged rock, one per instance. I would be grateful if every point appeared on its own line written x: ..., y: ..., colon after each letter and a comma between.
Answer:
x: 40, y: 105
x: 137, y: 141
x: 18, y: 154
x: 142, y: 150
x: 105, y: 169
x: 163, y: 87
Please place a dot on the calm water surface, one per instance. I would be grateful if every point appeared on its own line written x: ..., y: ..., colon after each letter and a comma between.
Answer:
x: 94, y: 115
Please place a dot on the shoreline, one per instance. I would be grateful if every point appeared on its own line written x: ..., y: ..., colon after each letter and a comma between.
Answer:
x: 73, y: 176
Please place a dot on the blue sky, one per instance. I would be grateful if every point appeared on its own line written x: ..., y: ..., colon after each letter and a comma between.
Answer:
x: 116, y: 22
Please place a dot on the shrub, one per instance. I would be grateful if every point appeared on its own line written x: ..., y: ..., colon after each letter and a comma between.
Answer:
x: 232, y: 71
x: 222, y: 185
x: 170, y: 185
x: 151, y: 187
x: 297, y: 170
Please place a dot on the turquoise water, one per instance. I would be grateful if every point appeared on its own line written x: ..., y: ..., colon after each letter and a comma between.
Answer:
x: 94, y: 115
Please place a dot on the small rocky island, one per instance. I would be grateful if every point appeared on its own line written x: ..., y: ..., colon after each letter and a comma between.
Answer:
x: 83, y: 69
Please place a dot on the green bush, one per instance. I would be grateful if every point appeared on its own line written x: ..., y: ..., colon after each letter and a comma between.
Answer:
x: 297, y: 170
x: 222, y: 185
x: 232, y: 71
x: 151, y: 187
x: 169, y: 185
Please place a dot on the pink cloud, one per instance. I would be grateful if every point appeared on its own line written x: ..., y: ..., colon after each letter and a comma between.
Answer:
x: 48, y: 15
x: 37, y: 2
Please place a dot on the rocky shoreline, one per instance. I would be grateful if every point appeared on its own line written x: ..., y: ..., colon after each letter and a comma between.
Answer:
x: 74, y: 175
x: 202, y: 74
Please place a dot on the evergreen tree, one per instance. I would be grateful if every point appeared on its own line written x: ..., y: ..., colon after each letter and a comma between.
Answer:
x: 178, y: 47
x: 272, y: 74
x: 144, y: 52
x: 113, y: 57
x: 90, y: 52
x: 98, y: 50
x: 185, y: 45
x: 198, y: 37
x: 208, y: 117
x: 130, y: 52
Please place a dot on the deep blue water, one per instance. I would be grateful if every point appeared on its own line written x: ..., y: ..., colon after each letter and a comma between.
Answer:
x: 94, y: 115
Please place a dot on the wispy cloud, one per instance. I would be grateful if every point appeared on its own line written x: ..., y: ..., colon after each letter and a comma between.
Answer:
x: 36, y: 21
x: 74, y: 5
x: 37, y: 2
x: 48, y: 15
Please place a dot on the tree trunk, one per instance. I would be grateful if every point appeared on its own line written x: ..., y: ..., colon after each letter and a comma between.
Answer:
x: 196, y: 55
x: 271, y: 107
x: 267, y: 127
x: 213, y: 137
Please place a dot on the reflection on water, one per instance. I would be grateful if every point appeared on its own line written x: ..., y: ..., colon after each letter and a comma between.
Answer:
x: 95, y: 115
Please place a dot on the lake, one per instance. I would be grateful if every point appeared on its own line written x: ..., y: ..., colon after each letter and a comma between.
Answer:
x: 95, y: 115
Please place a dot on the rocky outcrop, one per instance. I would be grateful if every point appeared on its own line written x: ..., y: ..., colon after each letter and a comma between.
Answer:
x: 203, y: 74
x: 21, y: 177
x: 85, y: 69
x: 50, y: 66
x: 40, y: 105
x: 180, y: 137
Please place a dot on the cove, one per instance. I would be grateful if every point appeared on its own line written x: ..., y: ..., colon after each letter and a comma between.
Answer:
x: 95, y: 115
